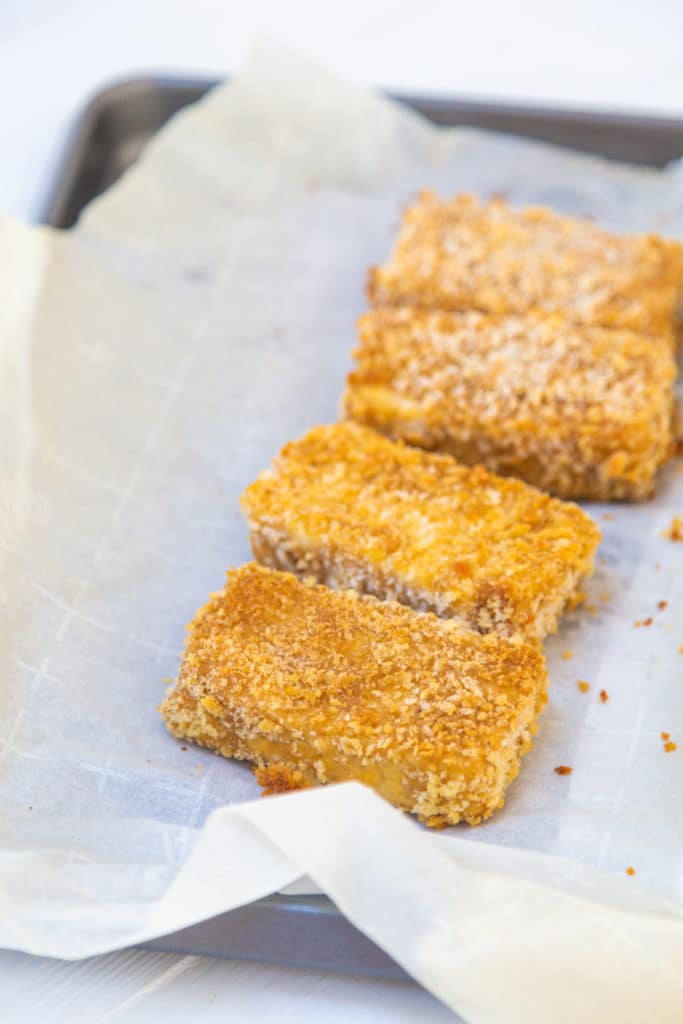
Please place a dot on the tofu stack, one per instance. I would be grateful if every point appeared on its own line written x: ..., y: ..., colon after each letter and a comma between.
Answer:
x: 392, y: 631
x: 411, y: 559
x: 539, y: 345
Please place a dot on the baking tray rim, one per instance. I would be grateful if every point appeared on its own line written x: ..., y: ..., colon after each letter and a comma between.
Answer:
x: 80, y: 129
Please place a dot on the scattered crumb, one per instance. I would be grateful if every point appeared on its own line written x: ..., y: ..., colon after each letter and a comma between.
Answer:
x: 563, y: 769
x: 657, y: 567
x: 607, y: 516
x: 665, y: 735
x: 604, y: 597
x: 592, y: 609
x: 583, y: 685
x: 630, y: 871
x: 567, y: 655
x: 669, y: 747
x: 183, y: 748
x: 643, y: 622
x: 662, y: 605
x: 604, y: 696
x: 680, y: 649
x: 278, y: 778
x: 30, y: 807
x: 675, y: 531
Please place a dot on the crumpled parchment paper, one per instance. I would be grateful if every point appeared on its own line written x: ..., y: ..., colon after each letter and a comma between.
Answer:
x: 152, y: 361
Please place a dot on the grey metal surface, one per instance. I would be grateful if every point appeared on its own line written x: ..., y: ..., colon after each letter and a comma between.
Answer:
x: 300, y: 931
x: 308, y: 931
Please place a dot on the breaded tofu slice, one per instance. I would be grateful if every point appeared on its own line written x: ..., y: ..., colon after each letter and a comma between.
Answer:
x: 314, y: 685
x: 578, y: 410
x: 467, y: 253
x: 352, y: 509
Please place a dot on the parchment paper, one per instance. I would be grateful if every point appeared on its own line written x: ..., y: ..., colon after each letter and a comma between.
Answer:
x: 152, y: 361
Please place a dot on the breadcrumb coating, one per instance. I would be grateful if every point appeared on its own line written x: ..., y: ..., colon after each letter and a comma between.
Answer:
x: 466, y: 253
x: 352, y: 509
x: 580, y: 411
x: 314, y: 685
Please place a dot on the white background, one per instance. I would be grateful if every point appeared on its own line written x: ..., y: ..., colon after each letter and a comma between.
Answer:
x: 54, y: 54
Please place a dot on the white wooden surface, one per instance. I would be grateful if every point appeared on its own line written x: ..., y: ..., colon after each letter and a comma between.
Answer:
x: 137, y: 986
x: 619, y: 55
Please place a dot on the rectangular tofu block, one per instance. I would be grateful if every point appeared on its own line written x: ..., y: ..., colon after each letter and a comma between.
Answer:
x: 467, y: 253
x: 578, y: 410
x: 352, y: 509
x: 314, y: 685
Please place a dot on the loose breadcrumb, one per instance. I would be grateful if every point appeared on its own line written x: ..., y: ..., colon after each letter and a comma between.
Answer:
x: 314, y: 685
x: 661, y: 605
x: 680, y: 649
x: 583, y: 685
x: 665, y: 735
x: 279, y: 778
x: 604, y: 696
x: 464, y: 253
x: 577, y: 599
x: 630, y: 871
x: 352, y: 509
x: 567, y: 655
x: 563, y: 769
x: 580, y: 411
x: 670, y: 746
x: 675, y: 531
x: 643, y: 622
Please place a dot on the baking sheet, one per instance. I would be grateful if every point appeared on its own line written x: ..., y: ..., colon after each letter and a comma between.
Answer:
x: 153, y: 362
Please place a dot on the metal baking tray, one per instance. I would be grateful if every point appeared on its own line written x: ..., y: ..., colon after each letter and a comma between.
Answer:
x: 107, y: 137
x: 112, y: 130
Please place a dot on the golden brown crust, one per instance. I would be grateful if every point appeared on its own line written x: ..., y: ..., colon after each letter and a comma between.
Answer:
x: 324, y: 686
x: 465, y: 253
x: 350, y: 508
x: 279, y: 778
x: 580, y: 411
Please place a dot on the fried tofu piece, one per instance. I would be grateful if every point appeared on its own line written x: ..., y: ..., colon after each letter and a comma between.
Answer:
x: 580, y: 411
x: 314, y: 685
x: 350, y: 508
x: 465, y: 253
